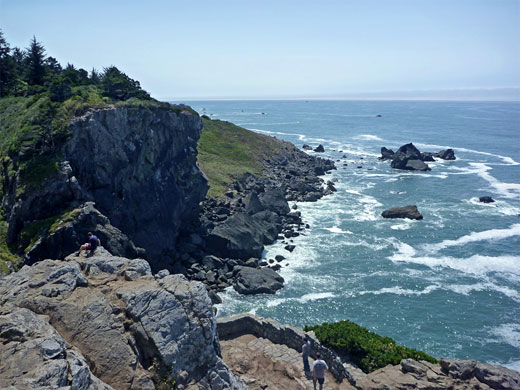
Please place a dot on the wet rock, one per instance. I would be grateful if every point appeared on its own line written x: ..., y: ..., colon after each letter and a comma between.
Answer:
x: 319, y: 149
x: 447, y: 154
x: 409, y: 212
x: 486, y: 199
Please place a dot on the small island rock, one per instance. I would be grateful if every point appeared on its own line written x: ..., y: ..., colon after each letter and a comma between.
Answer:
x: 409, y: 212
x: 486, y: 199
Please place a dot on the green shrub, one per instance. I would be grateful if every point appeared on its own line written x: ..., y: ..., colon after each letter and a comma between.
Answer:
x: 368, y: 350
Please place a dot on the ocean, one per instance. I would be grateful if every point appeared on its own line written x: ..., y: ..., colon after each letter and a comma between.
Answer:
x: 448, y: 284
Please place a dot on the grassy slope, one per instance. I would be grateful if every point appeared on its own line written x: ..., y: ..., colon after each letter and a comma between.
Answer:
x: 227, y: 151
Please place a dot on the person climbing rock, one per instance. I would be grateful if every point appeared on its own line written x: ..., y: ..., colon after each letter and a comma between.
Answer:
x: 91, y: 245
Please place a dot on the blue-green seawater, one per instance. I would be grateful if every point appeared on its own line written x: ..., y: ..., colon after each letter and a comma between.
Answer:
x: 449, y: 284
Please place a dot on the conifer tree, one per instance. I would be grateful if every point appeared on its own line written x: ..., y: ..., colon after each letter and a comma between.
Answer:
x: 6, y: 66
x: 35, y: 60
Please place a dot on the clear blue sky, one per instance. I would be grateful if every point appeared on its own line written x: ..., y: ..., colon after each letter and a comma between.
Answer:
x: 293, y: 48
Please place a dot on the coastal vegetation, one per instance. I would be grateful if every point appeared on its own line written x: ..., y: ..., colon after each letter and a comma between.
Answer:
x: 227, y: 151
x: 367, y: 349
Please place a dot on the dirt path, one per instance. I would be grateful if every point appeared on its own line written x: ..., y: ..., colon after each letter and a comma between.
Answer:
x: 267, y: 366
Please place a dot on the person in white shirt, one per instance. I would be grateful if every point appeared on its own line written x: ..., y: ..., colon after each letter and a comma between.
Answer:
x: 318, y: 371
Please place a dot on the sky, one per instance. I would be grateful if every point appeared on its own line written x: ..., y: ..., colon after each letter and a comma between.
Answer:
x: 195, y: 49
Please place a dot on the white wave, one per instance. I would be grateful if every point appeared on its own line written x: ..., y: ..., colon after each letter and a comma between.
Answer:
x: 512, y: 365
x: 476, y: 265
x: 466, y: 289
x: 336, y: 229
x: 303, y: 299
x: 402, y: 291
x: 508, y: 190
x: 405, y: 226
x: 508, y: 333
x: 353, y: 192
x: 301, y: 137
x: 486, y: 235
x: 499, y: 206
x: 368, y: 137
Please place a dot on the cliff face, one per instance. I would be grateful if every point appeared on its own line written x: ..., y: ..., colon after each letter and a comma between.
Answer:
x: 137, y: 164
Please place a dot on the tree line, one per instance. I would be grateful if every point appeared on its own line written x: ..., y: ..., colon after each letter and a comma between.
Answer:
x: 27, y: 72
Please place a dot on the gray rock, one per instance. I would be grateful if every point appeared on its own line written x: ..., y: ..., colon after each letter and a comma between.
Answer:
x: 35, y: 356
x: 409, y: 212
x: 118, y: 318
x: 257, y: 281
x: 447, y: 154
x: 319, y: 149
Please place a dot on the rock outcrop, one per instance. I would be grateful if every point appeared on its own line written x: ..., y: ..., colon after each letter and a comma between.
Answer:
x: 408, y: 157
x: 133, y: 329
x: 486, y: 199
x: 409, y: 212
x: 450, y: 374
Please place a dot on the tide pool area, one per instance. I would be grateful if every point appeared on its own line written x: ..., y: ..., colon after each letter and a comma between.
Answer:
x: 448, y: 284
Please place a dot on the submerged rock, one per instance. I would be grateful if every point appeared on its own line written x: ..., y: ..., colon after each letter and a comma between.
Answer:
x: 409, y: 212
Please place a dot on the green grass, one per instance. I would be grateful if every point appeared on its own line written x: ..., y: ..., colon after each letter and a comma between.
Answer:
x: 368, y: 350
x: 227, y: 152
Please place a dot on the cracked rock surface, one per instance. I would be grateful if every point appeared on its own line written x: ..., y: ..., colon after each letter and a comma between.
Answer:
x: 112, y: 313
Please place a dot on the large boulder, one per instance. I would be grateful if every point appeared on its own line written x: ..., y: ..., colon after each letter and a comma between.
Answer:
x: 319, y: 149
x: 409, y: 212
x: 242, y: 236
x: 273, y: 199
x: 131, y: 328
x: 257, y: 281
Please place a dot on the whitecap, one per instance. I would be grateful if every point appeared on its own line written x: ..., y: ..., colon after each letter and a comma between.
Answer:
x: 508, y: 190
x: 466, y: 289
x: 499, y: 206
x: 336, y: 229
x: 508, y: 333
x: 476, y: 265
x: 368, y: 137
x: 303, y: 299
x: 486, y: 235
x: 402, y: 291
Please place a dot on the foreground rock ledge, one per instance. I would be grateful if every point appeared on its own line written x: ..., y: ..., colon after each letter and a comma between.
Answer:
x: 409, y: 374
x: 112, y: 313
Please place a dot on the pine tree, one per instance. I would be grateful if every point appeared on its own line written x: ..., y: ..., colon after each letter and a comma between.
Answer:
x: 35, y: 63
x: 95, y: 77
x: 6, y: 66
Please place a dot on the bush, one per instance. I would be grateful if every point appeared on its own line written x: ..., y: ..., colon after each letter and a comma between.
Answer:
x: 368, y: 350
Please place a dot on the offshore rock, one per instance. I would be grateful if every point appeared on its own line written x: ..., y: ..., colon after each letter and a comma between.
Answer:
x: 447, y: 154
x: 486, y: 199
x: 386, y: 154
x: 128, y: 325
x: 409, y: 212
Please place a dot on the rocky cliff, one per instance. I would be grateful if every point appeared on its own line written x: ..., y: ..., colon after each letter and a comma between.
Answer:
x: 136, y: 163
x: 105, y: 322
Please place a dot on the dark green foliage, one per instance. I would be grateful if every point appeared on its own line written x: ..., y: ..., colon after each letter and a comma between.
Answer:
x: 7, y: 67
x: 119, y: 86
x: 367, y: 349
x: 35, y: 63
